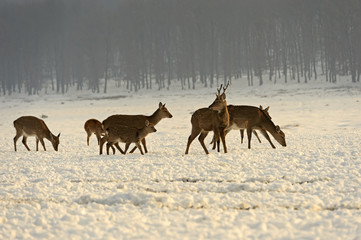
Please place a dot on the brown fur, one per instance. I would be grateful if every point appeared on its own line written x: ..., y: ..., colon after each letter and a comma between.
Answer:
x: 94, y: 126
x: 254, y: 118
x: 265, y: 110
x: 27, y: 126
x: 126, y: 134
x: 137, y: 121
x: 214, y: 118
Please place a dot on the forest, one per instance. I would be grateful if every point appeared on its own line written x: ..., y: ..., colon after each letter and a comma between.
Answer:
x: 57, y: 45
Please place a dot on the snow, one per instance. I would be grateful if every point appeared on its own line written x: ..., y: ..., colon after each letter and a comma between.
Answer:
x: 307, y: 190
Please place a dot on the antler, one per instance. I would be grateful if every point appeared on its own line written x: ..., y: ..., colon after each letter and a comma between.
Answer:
x: 225, y: 88
x: 219, y: 90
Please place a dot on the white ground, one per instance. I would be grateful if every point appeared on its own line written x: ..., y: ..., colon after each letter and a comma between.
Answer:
x: 310, y: 189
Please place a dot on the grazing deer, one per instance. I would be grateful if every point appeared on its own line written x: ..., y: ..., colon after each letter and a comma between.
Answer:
x: 254, y: 131
x: 27, y: 126
x: 265, y: 110
x: 137, y: 121
x: 242, y: 130
x: 94, y: 126
x: 126, y: 134
x: 214, y: 118
x: 254, y: 118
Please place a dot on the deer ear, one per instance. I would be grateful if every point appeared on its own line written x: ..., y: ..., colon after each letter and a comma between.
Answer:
x: 266, y: 109
x: 160, y: 104
x: 223, y: 96
x: 59, y: 135
x: 278, y: 129
x: 260, y: 107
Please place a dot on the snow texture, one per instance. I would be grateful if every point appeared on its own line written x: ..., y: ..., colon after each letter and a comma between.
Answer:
x: 310, y: 189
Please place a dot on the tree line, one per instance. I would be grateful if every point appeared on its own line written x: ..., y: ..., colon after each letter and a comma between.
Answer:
x: 52, y: 46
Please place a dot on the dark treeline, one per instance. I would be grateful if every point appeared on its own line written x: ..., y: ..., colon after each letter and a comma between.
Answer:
x: 54, y: 45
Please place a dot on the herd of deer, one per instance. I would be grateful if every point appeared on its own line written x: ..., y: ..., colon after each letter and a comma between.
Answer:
x: 218, y: 117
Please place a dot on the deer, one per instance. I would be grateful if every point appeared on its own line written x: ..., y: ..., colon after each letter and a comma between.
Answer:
x: 254, y: 118
x: 120, y: 133
x: 265, y: 110
x: 94, y: 126
x: 242, y: 130
x: 137, y: 121
x: 214, y: 118
x: 27, y: 126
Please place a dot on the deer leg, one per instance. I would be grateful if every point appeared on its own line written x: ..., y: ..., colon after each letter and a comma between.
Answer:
x: 264, y: 133
x: 223, y: 138
x: 225, y: 131
x: 16, y: 139
x: 108, y: 146
x: 24, y: 142
x: 37, y: 144
x: 144, y: 145
x: 216, y: 138
x: 140, y: 148
x: 127, y: 147
x: 193, y: 135
x: 42, y: 143
x: 255, y: 133
x: 133, y: 149
x: 102, y: 141
x: 249, y: 135
x: 201, y: 140
x: 242, y: 135
x: 98, y: 138
x: 118, y: 147
x: 214, y: 142
x: 112, y: 147
x: 88, y: 136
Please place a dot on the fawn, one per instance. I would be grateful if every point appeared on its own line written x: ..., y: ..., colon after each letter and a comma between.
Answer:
x: 126, y: 134
x: 94, y: 126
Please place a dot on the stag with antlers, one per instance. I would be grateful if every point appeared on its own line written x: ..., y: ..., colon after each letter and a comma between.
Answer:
x: 214, y: 118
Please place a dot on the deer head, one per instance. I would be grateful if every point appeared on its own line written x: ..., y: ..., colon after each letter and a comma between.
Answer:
x: 55, y: 140
x: 220, y: 102
x: 163, y: 111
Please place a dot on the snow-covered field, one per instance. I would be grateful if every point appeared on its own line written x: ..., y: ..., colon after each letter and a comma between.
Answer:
x: 310, y: 189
